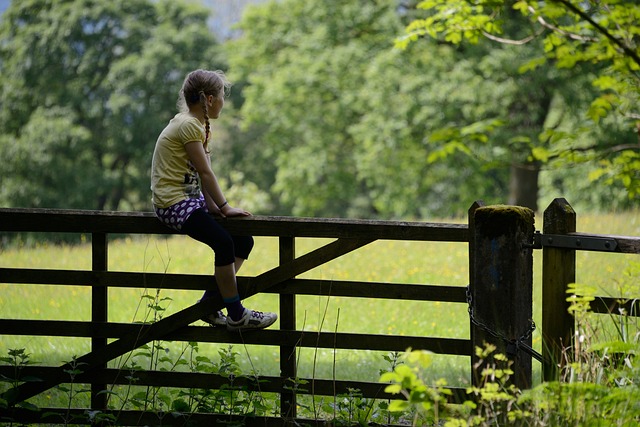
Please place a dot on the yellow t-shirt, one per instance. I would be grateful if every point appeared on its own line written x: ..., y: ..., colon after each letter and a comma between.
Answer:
x: 173, y: 177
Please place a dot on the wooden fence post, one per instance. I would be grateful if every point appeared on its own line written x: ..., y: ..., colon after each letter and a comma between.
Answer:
x: 472, y: 249
x: 288, y: 368
x: 99, y: 311
x: 501, y: 289
x: 558, y: 270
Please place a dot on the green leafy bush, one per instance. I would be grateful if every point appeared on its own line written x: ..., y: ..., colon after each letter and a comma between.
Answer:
x: 599, y: 377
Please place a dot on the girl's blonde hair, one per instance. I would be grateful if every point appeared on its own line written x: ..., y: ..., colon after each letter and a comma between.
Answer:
x: 196, y: 87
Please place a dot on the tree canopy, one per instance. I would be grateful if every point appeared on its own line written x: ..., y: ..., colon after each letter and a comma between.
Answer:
x: 303, y: 63
x: 501, y: 100
x: 354, y: 125
x: 86, y: 88
x: 594, y: 40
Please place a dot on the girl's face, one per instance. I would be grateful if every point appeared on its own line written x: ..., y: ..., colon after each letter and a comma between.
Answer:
x: 215, y: 105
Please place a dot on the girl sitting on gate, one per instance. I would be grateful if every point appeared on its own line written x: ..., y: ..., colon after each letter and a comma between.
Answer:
x: 186, y: 193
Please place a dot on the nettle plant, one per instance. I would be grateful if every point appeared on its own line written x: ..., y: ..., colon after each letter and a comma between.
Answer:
x: 18, y: 359
x: 230, y: 399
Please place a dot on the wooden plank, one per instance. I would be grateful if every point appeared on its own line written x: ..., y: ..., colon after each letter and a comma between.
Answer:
x: 114, y: 279
x: 68, y: 328
x: 169, y: 419
x: 80, y: 221
x: 117, y: 279
x: 350, y: 228
x: 54, y: 416
x: 265, y: 384
x: 52, y: 220
x: 312, y: 339
x: 558, y: 270
x: 398, y: 291
x: 616, y: 306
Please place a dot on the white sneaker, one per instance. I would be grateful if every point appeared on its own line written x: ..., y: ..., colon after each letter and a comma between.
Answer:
x: 251, y: 319
x: 215, y: 319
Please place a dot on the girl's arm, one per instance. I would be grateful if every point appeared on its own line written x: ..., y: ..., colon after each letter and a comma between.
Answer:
x: 212, y: 192
x: 211, y: 205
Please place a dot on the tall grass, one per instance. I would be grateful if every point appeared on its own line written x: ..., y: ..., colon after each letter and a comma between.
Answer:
x: 382, y: 261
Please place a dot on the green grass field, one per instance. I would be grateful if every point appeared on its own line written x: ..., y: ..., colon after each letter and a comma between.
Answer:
x: 383, y: 261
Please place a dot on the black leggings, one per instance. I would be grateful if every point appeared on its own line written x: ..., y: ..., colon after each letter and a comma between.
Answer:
x: 204, y: 228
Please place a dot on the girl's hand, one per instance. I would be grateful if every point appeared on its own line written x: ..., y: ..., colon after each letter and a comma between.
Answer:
x: 229, y: 211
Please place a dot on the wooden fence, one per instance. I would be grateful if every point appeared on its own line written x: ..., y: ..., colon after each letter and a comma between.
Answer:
x: 560, y: 241
x: 501, y: 242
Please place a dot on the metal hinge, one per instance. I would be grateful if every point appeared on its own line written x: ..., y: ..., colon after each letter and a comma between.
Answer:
x: 585, y: 243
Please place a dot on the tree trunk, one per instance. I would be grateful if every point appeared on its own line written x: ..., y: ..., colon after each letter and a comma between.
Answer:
x: 523, y: 185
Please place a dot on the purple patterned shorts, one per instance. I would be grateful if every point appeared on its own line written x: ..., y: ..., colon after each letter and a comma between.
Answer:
x: 175, y: 215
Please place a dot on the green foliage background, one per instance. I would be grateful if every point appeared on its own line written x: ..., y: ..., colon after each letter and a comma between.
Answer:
x: 327, y: 117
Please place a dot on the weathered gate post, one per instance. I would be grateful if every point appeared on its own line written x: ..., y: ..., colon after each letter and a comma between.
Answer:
x: 99, y: 308
x: 472, y: 266
x: 501, y: 285
x: 558, y: 270
x: 288, y: 368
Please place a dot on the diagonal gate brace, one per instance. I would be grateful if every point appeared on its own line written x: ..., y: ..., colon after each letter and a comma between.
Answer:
x: 301, y: 264
x: 163, y: 327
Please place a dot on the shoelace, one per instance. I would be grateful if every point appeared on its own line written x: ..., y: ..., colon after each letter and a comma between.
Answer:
x: 257, y: 314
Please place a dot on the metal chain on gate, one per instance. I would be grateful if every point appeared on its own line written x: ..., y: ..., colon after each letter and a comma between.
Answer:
x: 513, y: 345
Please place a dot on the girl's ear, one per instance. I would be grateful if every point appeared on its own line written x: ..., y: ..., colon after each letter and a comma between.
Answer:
x: 210, y: 99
